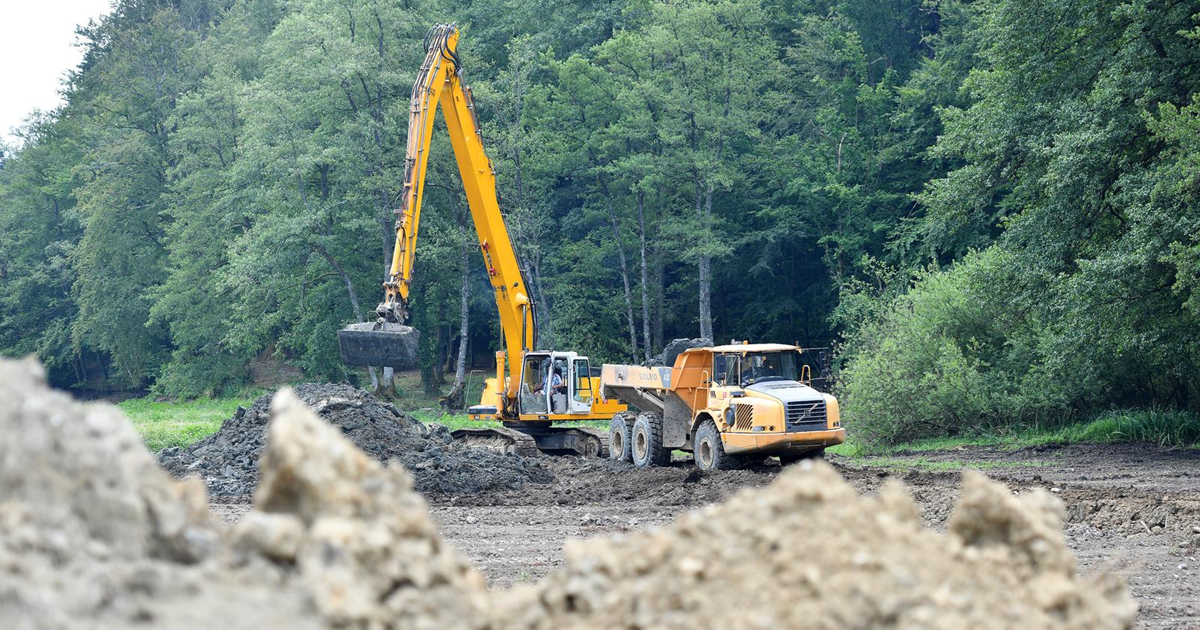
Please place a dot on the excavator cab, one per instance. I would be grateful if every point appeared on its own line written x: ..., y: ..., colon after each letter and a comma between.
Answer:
x: 555, y: 384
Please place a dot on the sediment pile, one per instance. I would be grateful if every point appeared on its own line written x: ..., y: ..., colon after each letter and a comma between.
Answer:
x: 808, y: 552
x: 93, y: 535
x: 227, y: 461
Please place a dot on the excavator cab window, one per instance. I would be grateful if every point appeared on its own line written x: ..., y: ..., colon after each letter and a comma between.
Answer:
x: 582, y: 387
x: 534, y: 385
x: 557, y: 386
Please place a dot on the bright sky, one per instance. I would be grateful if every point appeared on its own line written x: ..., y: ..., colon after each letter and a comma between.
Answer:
x: 37, y: 47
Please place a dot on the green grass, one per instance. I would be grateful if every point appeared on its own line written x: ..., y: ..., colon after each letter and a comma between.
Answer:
x: 1163, y: 428
x: 163, y: 424
x: 920, y: 463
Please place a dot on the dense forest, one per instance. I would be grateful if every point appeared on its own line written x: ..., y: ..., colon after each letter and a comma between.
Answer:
x: 989, y: 208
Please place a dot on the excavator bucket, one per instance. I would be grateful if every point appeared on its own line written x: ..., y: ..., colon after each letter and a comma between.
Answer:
x: 380, y: 344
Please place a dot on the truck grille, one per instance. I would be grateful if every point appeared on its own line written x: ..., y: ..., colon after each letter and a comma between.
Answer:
x: 743, y: 417
x: 806, y: 416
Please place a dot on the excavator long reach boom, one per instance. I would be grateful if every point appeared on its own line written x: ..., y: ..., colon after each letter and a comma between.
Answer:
x: 388, y: 342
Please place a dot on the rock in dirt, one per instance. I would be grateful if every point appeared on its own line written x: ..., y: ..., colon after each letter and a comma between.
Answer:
x: 227, y: 461
x: 808, y: 551
x: 676, y: 347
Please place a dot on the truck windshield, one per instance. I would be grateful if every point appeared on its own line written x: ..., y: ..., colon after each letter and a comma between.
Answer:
x: 768, y: 366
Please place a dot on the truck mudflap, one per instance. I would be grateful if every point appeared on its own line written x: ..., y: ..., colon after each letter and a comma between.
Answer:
x: 746, y: 443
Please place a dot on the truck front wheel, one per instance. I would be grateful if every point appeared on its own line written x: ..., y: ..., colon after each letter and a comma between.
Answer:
x: 646, y: 443
x: 709, y: 451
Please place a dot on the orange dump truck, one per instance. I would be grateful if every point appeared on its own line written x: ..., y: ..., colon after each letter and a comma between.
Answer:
x: 726, y: 404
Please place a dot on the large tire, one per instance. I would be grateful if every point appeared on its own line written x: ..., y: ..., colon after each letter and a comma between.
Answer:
x: 620, y: 438
x: 787, y: 459
x: 708, y: 450
x: 647, y: 444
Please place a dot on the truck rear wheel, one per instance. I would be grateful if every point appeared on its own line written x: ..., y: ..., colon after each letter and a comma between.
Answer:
x: 787, y: 459
x: 709, y: 451
x: 647, y: 445
x: 620, y: 438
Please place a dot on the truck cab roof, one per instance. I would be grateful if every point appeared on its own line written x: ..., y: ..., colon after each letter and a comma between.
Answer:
x: 750, y: 347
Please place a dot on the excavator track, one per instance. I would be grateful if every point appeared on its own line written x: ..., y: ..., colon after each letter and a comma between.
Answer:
x: 498, y: 439
x: 582, y: 441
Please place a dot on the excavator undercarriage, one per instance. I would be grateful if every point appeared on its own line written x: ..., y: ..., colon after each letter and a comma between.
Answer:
x: 525, y: 438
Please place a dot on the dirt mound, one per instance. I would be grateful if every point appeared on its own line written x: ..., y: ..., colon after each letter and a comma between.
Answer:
x: 582, y: 481
x: 228, y: 459
x: 808, y: 551
x: 356, y: 532
x: 93, y: 534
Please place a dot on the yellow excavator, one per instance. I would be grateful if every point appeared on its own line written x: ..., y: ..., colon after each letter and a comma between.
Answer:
x: 533, y: 388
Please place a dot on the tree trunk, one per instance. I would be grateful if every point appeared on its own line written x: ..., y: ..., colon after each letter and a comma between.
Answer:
x: 353, y: 301
x: 545, y: 330
x: 706, y: 331
x: 660, y: 300
x: 454, y: 400
x: 443, y: 344
x: 704, y: 264
x: 641, y: 203
x: 612, y: 215
x: 389, y: 380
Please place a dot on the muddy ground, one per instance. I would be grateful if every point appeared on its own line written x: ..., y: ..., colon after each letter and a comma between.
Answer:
x: 1132, y: 509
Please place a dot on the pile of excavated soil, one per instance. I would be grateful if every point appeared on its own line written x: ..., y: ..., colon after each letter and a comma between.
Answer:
x: 593, y: 481
x: 228, y: 459
x: 808, y: 551
x: 92, y: 534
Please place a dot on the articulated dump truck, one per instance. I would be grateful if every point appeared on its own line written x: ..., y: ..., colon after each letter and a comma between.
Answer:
x: 728, y: 405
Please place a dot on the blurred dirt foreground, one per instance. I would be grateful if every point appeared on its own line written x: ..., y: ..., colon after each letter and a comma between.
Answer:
x: 93, y: 534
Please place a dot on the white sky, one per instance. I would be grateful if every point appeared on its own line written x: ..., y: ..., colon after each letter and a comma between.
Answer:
x: 37, y: 47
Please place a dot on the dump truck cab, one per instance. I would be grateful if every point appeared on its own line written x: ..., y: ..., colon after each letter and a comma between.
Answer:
x: 727, y: 404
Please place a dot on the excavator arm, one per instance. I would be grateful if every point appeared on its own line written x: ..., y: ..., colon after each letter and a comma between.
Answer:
x: 440, y: 81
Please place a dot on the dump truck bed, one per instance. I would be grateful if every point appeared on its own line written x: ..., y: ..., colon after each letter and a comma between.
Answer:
x: 643, y: 387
